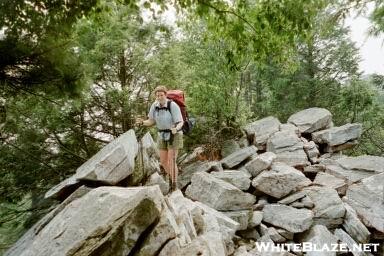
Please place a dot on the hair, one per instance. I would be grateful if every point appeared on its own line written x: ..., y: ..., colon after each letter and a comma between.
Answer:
x: 161, y: 88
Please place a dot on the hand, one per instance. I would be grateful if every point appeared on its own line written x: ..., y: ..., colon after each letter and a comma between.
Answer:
x: 139, y: 121
x: 174, y: 130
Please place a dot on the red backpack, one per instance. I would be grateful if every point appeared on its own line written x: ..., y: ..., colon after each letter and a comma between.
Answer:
x: 178, y: 97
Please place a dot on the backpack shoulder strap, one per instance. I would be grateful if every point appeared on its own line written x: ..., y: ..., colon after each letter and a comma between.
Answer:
x: 169, y: 105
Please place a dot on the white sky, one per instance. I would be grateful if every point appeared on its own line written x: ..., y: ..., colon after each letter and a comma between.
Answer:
x: 371, y: 48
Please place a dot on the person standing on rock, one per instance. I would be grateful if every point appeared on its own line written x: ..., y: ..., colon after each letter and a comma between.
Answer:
x: 170, y: 137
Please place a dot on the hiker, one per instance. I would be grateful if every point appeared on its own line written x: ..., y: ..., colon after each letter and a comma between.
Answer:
x: 170, y: 136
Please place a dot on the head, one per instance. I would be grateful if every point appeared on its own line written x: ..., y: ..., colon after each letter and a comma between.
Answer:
x: 161, y: 94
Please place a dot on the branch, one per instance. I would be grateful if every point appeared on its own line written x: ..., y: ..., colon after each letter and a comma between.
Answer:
x: 64, y: 147
x: 230, y: 12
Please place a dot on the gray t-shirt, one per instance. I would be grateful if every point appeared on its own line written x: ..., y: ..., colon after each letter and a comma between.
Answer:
x: 165, y: 119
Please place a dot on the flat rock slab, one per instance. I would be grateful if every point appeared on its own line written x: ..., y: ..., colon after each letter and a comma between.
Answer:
x: 338, y: 135
x: 105, y: 221
x: 365, y: 163
x: 218, y: 194
x: 237, y: 178
x: 280, y: 180
x: 287, y: 217
x: 311, y: 119
x: 239, y: 156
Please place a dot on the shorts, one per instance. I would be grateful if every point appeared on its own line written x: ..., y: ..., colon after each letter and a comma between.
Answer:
x: 175, y: 143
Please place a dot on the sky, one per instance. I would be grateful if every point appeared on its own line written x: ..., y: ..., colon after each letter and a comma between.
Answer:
x: 371, y: 48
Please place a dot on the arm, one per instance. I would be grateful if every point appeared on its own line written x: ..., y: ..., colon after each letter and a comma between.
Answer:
x: 148, y: 122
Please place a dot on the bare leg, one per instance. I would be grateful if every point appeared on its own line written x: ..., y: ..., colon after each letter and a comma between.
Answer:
x: 165, y: 161
x: 172, y: 156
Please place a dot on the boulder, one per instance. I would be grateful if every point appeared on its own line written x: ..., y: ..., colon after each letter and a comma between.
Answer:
x: 353, y: 169
x: 256, y: 218
x: 239, y: 156
x: 312, y: 151
x: 156, y: 179
x: 354, y: 226
x: 28, y: 238
x: 218, y: 194
x: 328, y: 180
x: 147, y: 161
x: 207, y: 244
x: 284, y: 141
x: 105, y: 221
x: 320, y: 237
x: 328, y: 208
x: 315, y: 168
x: 260, y: 163
x: 289, y: 148
x: 311, y: 119
x: 237, y: 178
x: 373, y: 164
x: 287, y: 217
x: 367, y: 199
x: 290, y: 128
x: 112, y: 164
x: 199, y: 166
x: 280, y: 180
x: 164, y: 231
x: 351, y: 244
x: 242, y: 217
x: 259, y: 131
x: 338, y: 135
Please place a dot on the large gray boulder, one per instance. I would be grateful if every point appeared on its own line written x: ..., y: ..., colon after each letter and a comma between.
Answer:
x: 239, y: 156
x: 353, y: 169
x: 260, y: 130
x: 203, y: 218
x: 105, y: 221
x: 367, y: 199
x: 237, y: 178
x: 284, y: 141
x: 187, y: 172
x: 112, y: 164
x: 320, y: 237
x: 338, y: 135
x: 260, y: 163
x: 165, y: 230
x: 287, y: 217
x: 280, y: 180
x: 328, y: 180
x: 218, y: 194
x: 374, y: 164
x: 289, y: 148
x: 328, y: 208
x: 311, y: 119
x: 147, y: 161
x: 354, y: 226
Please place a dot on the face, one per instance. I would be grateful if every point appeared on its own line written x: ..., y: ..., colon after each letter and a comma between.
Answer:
x: 161, y: 97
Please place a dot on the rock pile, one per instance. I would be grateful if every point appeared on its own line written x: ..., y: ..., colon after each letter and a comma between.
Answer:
x: 286, y: 184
